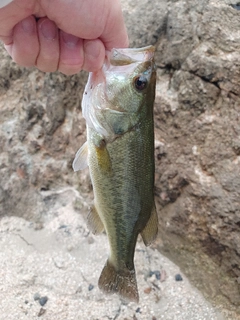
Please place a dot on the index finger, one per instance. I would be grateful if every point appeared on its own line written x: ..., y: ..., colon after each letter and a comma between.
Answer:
x: 11, y: 14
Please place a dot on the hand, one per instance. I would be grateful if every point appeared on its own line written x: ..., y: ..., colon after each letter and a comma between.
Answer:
x: 64, y: 35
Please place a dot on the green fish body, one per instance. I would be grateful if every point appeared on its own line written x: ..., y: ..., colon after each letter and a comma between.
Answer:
x: 118, y: 108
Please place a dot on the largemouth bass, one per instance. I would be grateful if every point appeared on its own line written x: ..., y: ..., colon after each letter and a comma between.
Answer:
x: 118, y: 108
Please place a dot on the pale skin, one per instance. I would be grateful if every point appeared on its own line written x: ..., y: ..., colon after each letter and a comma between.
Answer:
x: 64, y: 35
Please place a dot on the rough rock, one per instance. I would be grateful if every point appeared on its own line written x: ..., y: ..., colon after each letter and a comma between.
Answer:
x: 197, y: 114
x: 198, y: 166
x: 41, y: 129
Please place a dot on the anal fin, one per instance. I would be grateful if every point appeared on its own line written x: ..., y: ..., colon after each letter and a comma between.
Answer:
x: 94, y: 222
x: 150, y: 231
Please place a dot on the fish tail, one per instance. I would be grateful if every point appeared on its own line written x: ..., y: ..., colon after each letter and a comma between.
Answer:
x: 123, y: 282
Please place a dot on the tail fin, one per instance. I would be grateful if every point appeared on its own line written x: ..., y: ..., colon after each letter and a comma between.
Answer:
x: 122, y: 282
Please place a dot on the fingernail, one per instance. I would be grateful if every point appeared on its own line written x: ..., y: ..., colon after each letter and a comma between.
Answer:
x: 69, y: 39
x: 28, y: 25
x: 48, y: 29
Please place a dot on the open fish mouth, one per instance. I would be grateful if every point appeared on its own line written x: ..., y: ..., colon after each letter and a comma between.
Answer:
x: 120, y: 57
x: 119, y: 64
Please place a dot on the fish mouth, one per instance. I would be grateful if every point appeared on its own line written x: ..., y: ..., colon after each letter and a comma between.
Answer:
x: 124, y: 61
x: 119, y: 65
x: 126, y: 56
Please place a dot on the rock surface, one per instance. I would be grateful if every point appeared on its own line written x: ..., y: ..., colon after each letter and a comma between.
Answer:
x: 197, y: 114
x: 198, y: 129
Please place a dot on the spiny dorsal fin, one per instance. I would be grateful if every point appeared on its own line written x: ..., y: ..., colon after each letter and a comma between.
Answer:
x: 94, y: 222
x: 123, y: 282
x: 150, y: 231
x: 80, y: 161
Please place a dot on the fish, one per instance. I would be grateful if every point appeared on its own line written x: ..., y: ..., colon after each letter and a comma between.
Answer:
x: 117, y: 105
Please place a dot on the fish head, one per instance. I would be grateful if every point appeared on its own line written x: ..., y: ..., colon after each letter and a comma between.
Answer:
x: 122, y: 93
x: 130, y: 77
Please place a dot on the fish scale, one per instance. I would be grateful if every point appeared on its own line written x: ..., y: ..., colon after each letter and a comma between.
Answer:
x: 120, y: 156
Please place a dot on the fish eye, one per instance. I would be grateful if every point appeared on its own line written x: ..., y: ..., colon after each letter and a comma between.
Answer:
x: 140, y: 83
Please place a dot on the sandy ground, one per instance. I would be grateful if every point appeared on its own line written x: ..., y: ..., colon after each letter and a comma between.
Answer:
x: 58, y: 265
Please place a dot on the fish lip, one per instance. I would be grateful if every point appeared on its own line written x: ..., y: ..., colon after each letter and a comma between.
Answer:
x: 120, y: 57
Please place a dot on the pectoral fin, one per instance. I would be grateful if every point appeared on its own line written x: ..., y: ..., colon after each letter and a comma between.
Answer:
x: 81, y: 159
x: 150, y: 231
x: 94, y: 222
